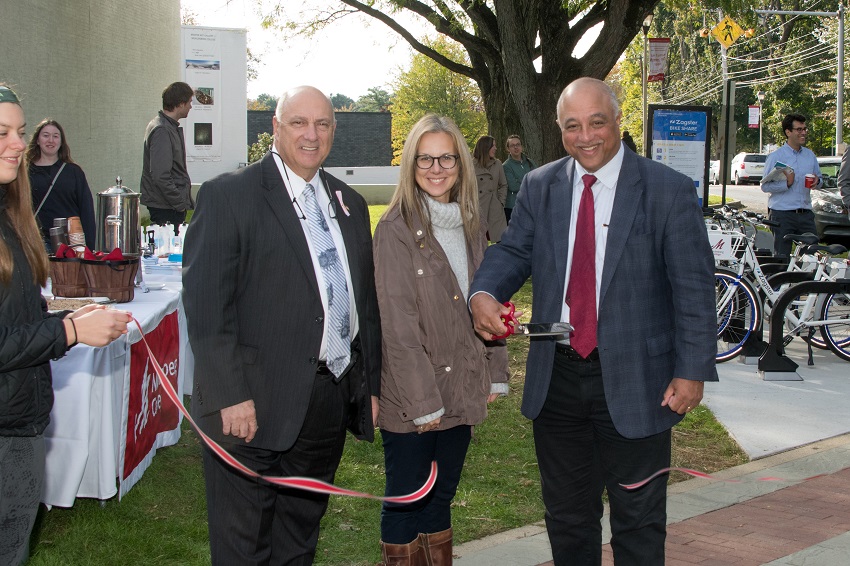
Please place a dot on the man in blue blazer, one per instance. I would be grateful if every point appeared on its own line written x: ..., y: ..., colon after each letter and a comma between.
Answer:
x: 603, y: 400
x: 260, y: 319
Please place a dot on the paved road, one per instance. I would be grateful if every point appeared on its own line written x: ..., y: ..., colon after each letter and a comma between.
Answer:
x: 750, y: 195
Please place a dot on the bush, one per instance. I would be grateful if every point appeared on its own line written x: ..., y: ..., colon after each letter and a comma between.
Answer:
x: 258, y: 150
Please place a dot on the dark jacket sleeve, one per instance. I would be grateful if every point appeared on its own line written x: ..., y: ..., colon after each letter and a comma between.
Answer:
x: 31, y: 345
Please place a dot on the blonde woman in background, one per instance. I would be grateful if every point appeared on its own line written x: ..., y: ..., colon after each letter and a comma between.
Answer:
x: 437, y: 374
x: 492, y: 187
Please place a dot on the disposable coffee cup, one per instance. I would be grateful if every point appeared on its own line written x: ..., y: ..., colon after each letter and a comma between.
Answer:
x: 76, y: 237
x: 811, y: 180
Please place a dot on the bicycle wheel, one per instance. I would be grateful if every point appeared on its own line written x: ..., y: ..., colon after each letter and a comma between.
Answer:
x: 836, y: 309
x: 738, y: 314
x: 787, y: 279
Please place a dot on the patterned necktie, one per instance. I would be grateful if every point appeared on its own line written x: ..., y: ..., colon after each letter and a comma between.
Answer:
x: 339, y: 340
x: 581, y: 291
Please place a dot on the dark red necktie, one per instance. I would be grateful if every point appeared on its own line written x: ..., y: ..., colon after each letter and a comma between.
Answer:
x: 581, y: 291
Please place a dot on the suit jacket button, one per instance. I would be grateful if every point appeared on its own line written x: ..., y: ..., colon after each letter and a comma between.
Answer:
x: 313, y: 360
x: 320, y: 319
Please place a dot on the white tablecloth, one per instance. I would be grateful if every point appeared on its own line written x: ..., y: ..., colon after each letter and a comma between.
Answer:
x: 84, y: 435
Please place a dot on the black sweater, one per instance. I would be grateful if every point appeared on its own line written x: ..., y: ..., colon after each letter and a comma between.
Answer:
x: 70, y: 196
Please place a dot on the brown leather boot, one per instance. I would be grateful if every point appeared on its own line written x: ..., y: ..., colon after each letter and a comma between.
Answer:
x: 437, y: 547
x: 410, y: 554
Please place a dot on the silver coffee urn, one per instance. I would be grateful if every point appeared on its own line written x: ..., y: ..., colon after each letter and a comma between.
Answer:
x: 118, y: 220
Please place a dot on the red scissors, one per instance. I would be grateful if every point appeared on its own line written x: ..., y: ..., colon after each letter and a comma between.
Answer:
x: 532, y: 328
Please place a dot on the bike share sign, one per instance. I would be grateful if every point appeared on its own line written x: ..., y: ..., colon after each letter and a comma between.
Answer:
x: 680, y: 138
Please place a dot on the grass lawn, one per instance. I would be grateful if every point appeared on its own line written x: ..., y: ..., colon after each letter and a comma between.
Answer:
x: 163, y: 519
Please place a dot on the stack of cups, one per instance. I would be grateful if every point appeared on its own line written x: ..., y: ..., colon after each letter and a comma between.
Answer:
x: 76, y: 236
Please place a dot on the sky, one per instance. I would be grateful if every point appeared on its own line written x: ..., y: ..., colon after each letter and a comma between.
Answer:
x: 348, y: 57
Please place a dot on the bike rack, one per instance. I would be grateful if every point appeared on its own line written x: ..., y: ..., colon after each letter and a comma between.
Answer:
x: 774, y: 365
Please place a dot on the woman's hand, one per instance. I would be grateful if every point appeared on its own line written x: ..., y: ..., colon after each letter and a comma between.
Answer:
x: 429, y: 426
x: 96, y: 326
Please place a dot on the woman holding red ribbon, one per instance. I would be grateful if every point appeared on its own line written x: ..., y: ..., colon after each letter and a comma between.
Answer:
x: 29, y: 338
x: 437, y: 374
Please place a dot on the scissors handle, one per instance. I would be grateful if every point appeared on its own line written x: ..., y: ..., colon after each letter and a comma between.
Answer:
x: 508, y: 319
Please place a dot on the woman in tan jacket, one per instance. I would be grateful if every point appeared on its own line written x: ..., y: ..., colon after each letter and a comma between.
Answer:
x: 492, y: 187
x: 438, y: 375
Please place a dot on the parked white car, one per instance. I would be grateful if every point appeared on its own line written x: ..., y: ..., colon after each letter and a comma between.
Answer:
x: 714, y: 172
x: 747, y: 168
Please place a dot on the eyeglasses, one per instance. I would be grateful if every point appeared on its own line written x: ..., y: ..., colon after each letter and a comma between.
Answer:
x: 800, y: 130
x: 446, y: 161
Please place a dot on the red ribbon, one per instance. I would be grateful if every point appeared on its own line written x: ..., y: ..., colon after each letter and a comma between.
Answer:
x: 698, y: 474
x: 306, y: 484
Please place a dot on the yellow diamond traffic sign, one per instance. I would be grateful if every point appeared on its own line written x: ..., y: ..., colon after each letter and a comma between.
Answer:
x: 727, y: 31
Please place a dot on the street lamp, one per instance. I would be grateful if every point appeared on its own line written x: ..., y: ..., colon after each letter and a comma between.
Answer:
x: 647, y: 21
x: 760, y: 95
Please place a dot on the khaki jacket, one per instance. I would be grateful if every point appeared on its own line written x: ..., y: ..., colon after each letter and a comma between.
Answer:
x: 432, y: 358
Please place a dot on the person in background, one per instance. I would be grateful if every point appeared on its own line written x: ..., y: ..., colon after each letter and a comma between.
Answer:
x: 516, y: 166
x: 52, y: 169
x: 844, y: 181
x: 30, y: 337
x: 279, y: 288
x: 628, y: 141
x: 437, y: 374
x: 492, y: 187
x: 790, y: 200
x: 166, y: 187
x: 615, y: 244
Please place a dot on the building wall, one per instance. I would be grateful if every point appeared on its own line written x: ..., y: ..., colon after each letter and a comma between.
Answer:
x: 98, y: 67
x: 362, y: 139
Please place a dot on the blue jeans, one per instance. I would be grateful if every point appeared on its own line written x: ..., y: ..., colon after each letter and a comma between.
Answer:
x: 407, y: 458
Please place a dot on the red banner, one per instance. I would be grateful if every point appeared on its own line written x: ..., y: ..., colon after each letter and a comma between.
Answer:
x: 658, y: 48
x: 149, y: 413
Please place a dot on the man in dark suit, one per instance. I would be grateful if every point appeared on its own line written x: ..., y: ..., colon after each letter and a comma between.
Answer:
x: 609, y: 228
x: 283, y: 321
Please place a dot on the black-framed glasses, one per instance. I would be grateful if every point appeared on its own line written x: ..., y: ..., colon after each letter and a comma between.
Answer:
x: 801, y: 130
x: 446, y: 161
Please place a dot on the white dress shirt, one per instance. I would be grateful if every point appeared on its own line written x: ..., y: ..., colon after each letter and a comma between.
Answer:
x: 604, y: 190
x: 296, y: 185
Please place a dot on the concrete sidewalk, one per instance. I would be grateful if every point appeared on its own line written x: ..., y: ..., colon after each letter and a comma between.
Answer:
x: 736, y: 519
x: 798, y: 431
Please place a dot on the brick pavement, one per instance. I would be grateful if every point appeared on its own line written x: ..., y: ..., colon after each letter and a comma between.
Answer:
x: 761, y: 529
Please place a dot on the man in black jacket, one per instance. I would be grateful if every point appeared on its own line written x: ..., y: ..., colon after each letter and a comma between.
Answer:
x: 166, y: 187
x: 264, y: 309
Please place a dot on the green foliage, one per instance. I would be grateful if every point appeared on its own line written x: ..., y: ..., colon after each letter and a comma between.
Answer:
x: 376, y: 99
x: 428, y: 87
x: 257, y: 150
x: 263, y: 102
x: 790, y: 59
x: 341, y: 102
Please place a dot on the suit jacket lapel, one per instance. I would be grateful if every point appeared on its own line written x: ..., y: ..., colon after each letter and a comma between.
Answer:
x: 560, y: 206
x: 281, y: 205
x: 630, y: 189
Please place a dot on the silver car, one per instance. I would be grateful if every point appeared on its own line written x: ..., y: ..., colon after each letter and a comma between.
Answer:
x: 831, y: 217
